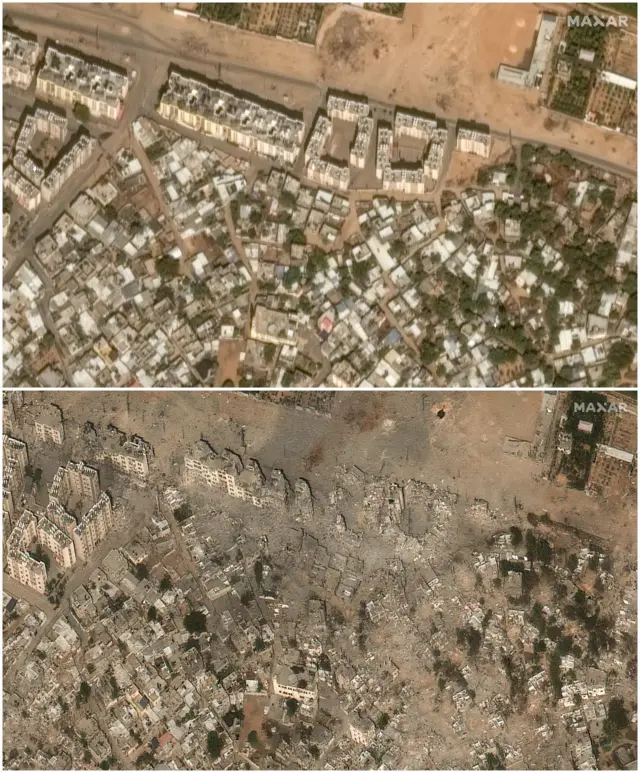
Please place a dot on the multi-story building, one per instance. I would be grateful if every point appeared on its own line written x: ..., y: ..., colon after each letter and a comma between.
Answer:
x: 70, y: 79
x: 52, y: 124
x: 26, y: 134
x: 287, y: 684
x: 414, y: 125
x: 318, y: 138
x: 472, y: 141
x: 226, y: 116
x: 384, y: 149
x: 14, y: 464
x: 28, y: 168
x: 347, y: 108
x: 129, y: 456
x: 11, y: 403
x: 93, y: 527
x: 78, y: 155
x: 76, y: 481
x: 328, y: 173
x: 361, y: 730
x: 48, y: 424
x: 224, y: 471
x: 360, y: 146
x: 403, y: 180
x: 25, y: 192
x: 20, y: 565
x: 59, y: 543
x: 19, y: 59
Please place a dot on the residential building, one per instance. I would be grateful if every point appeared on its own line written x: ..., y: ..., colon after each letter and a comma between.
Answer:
x: 413, y: 125
x: 472, y: 141
x: 384, y: 149
x: 76, y: 481
x: 20, y: 565
x: 361, y: 730
x: 25, y: 192
x: 78, y: 155
x: 347, y: 108
x: 225, y: 472
x: 48, y: 424
x: 71, y: 79
x: 93, y: 527
x: 226, y: 116
x: 128, y: 456
x: 52, y: 124
x: 360, y: 146
x: 318, y: 137
x: 328, y: 173
x: 19, y: 59
x: 59, y: 543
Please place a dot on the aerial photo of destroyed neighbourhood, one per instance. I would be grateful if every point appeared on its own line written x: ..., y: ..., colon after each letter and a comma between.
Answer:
x: 328, y: 580
x: 319, y: 195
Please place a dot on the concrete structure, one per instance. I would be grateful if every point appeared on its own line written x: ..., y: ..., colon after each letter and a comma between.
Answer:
x: 532, y: 77
x: 15, y: 460
x: 318, y: 137
x: 286, y: 684
x: 472, y: 141
x: 20, y: 565
x: 59, y: 543
x: 384, y: 148
x: 360, y: 146
x: 226, y: 116
x: 70, y: 79
x: 19, y: 59
x: 75, y: 482
x: 403, y: 180
x: 25, y: 192
x: 52, y: 124
x: 127, y: 456
x: 78, y: 155
x: 225, y: 472
x: 48, y: 424
x: 413, y: 125
x: 361, y: 730
x: 94, y: 527
x: 328, y: 173
x: 347, y: 108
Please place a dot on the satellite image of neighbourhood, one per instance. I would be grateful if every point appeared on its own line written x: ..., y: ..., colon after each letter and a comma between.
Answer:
x: 328, y: 580
x: 330, y: 195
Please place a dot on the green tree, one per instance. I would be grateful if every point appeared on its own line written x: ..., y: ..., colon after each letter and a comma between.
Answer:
x: 214, y: 744
x: 195, y: 622
x: 81, y: 112
x: 292, y: 706
x: 165, y: 584
x: 152, y: 613
x: 253, y: 739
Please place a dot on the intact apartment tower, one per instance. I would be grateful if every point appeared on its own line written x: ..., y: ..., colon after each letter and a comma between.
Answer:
x: 20, y: 565
x: 48, y: 424
x: 15, y: 460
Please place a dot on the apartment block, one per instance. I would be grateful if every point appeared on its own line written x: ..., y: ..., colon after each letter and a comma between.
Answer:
x: 384, y: 149
x: 93, y: 527
x: 27, y: 133
x: 413, y: 125
x: 475, y: 142
x: 76, y: 481
x: 328, y: 173
x: 360, y: 146
x: 433, y: 161
x: 52, y: 124
x: 130, y: 457
x: 78, y: 155
x: 12, y: 402
x: 48, y: 424
x: 59, y: 543
x: 226, y: 116
x: 25, y: 192
x: 362, y: 730
x: 318, y: 138
x: 224, y: 471
x: 347, y: 109
x: 20, y: 565
x: 14, y: 463
x: 28, y: 168
x: 71, y: 79
x: 403, y: 180
x: 19, y: 59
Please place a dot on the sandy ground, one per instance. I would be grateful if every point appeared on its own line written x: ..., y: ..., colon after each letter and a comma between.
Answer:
x: 394, y: 433
x: 440, y: 58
